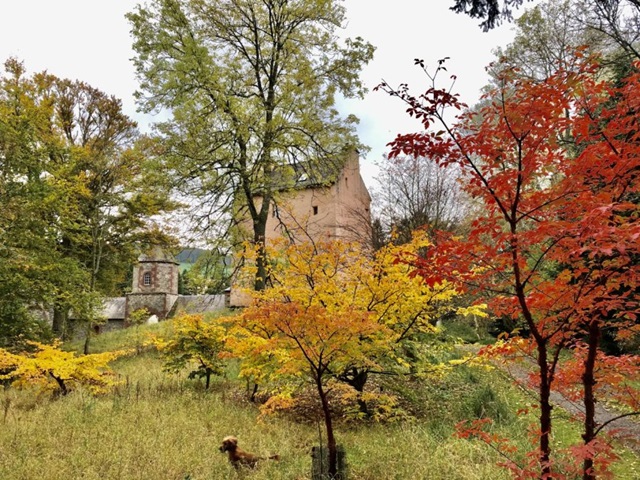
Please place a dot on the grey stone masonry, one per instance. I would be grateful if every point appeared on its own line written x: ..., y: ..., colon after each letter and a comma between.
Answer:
x: 156, y: 273
x: 159, y: 304
x: 155, y: 284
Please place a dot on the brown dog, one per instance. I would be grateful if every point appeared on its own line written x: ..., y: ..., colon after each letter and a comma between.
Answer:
x: 240, y: 458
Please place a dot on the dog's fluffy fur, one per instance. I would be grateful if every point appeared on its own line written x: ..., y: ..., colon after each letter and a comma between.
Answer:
x: 240, y: 458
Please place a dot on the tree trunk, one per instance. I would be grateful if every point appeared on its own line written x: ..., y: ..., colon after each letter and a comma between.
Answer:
x: 545, y: 376
x: 357, y: 379
x: 254, y: 392
x: 259, y: 232
x: 59, y: 322
x: 331, y: 440
x: 61, y: 384
x: 545, y: 411
x: 588, y: 384
x: 87, y: 339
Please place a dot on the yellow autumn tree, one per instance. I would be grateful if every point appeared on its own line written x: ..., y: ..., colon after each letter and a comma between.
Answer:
x: 300, y: 341
x: 334, y: 311
x: 339, y: 275
x: 54, y: 370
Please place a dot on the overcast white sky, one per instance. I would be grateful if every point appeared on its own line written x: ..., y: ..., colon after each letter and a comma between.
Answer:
x: 89, y: 40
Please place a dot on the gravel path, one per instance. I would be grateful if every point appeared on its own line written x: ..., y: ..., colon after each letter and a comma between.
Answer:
x: 625, y: 429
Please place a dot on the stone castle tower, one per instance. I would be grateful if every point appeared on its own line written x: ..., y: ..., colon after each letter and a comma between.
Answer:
x: 155, y: 284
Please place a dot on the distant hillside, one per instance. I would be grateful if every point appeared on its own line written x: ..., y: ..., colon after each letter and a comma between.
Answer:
x: 189, y: 255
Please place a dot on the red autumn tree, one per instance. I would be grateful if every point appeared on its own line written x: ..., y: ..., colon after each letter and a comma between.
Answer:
x: 556, y: 165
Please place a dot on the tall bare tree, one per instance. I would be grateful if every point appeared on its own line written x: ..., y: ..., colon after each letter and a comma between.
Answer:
x: 547, y: 37
x: 415, y: 192
x: 618, y: 20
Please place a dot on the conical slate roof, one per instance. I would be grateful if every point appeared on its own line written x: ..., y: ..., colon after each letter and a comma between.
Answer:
x: 157, y: 254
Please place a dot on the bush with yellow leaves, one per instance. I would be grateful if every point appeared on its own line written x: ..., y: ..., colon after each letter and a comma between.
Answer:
x: 57, y: 371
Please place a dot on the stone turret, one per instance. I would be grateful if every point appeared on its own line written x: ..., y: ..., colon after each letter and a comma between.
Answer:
x: 155, y: 284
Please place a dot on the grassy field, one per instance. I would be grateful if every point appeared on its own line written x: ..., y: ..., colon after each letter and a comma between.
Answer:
x: 157, y: 426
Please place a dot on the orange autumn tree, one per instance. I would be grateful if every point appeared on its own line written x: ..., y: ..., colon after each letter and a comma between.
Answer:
x: 556, y: 165
x: 334, y: 314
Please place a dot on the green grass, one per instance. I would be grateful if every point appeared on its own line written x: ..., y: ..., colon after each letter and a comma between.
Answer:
x: 163, y: 431
x: 164, y: 427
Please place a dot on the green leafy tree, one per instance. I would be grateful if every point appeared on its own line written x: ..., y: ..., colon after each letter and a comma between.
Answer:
x: 195, y: 344
x: 210, y: 274
x: 106, y: 178
x: 33, y: 273
x: 76, y: 180
x: 250, y: 90
x: 617, y: 20
x: 547, y: 37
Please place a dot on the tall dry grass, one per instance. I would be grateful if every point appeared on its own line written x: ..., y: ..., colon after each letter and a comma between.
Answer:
x: 156, y: 426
